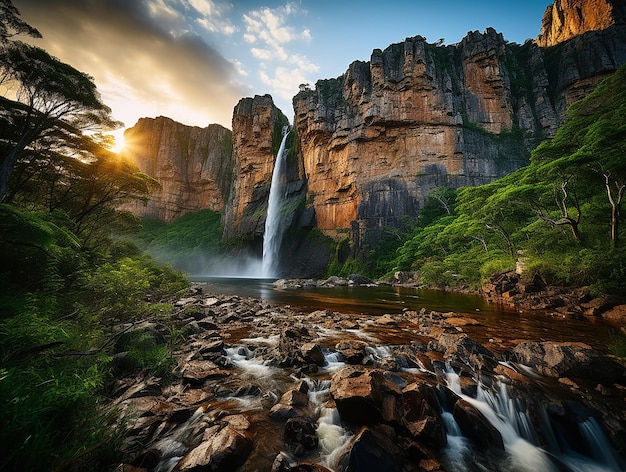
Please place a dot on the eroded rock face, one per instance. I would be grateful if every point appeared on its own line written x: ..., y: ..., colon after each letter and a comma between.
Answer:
x: 257, y: 132
x: 565, y: 19
x: 376, y: 140
x: 193, y: 165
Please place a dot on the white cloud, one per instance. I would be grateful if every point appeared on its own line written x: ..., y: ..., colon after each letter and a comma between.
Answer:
x: 274, y: 35
x: 261, y: 54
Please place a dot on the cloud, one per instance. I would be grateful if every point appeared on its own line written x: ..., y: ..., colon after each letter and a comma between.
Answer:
x: 279, y: 67
x: 144, y: 55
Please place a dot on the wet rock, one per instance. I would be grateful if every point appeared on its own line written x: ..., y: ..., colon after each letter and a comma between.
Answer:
x: 352, y: 351
x: 359, y: 394
x: 294, y: 403
x: 371, y: 451
x: 196, y: 372
x: 465, y: 350
x: 358, y: 279
x: 224, y: 448
x: 312, y: 354
x: 556, y: 359
x: 300, y: 435
x: 616, y: 315
x: 420, y: 414
x: 290, y: 343
x: 333, y: 281
x: 476, y: 427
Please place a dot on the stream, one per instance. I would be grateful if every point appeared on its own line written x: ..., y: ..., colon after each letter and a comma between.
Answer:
x: 247, y: 373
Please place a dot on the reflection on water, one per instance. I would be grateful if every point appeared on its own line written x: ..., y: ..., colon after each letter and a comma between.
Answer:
x: 496, y: 320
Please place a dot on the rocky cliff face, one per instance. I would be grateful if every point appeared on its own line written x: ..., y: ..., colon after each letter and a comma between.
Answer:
x: 257, y: 132
x: 192, y: 164
x: 378, y: 139
x: 566, y: 19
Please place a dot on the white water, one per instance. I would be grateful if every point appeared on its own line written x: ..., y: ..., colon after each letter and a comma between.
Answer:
x: 273, y: 223
x: 508, y: 416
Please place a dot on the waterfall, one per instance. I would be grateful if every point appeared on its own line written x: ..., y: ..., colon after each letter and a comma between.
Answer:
x: 272, y: 236
x: 522, y: 446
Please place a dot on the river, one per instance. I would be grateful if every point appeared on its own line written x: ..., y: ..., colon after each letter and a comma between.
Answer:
x: 495, y: 321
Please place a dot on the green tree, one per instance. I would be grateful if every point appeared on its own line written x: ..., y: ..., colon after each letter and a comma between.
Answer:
x: 44, y: 99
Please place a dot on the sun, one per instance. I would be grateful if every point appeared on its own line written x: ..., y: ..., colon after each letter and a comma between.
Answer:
x: 119, y: 143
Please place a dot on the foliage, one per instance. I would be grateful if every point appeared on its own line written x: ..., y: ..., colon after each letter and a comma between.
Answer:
x: 62, y: 278
x: 617, y: 345
x: 188, y: 243
x: 561, y: 213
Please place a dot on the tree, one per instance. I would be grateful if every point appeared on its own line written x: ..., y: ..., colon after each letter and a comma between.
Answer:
x: 44, y: 97
x: 12, y: 25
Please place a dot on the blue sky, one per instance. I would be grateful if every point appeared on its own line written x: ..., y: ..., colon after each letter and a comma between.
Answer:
x: 193, y: 60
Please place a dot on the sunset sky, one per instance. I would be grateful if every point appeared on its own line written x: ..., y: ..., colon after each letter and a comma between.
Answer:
x: 192, y: 60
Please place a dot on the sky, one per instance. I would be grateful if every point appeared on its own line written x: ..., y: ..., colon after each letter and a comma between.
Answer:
x: 193, y: 60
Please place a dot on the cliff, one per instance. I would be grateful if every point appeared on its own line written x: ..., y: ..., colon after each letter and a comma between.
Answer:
x: 257, y: 132
x: 192, y: 164
x: 566, y: 19
x: 376, y: 140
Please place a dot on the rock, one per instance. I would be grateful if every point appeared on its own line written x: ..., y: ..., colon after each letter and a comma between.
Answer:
x: 312, y: 354
x: 360, y: 393
x: 475, y: 426
x: 223, y: 449
x: 290, y: 343
x: 420, y: 414
x: 180, y: 157
x: 598, y: 306
x: 465, y: 350
x: 556, y: 359
x: 300, y: 435
x: 352, y: 351
x: 371, y: 451
x: 196, y: 372
x: 357, y: 279
x: 566, y: 19
x: 616, y: 315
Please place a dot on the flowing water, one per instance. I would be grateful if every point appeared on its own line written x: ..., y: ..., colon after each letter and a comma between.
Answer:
x: 532, y: 441
x: 273, y: 227
x: 495, y: 320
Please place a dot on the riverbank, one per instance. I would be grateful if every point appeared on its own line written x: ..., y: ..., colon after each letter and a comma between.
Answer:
x: 260, y: 386
x: 507, y: 288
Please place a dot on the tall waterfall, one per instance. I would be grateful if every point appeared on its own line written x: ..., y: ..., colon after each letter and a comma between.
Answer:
x: 273, y: 223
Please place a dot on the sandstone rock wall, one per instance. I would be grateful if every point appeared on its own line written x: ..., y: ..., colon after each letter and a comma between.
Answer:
x: 566, y: 19
x: 257, y: 132
x: 192, y: 164
x: 376, y: 140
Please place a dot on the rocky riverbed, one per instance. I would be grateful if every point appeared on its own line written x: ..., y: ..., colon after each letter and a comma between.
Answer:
x: 263, y: 387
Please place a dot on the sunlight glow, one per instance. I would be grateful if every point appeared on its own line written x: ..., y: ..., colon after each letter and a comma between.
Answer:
x: 119, y: 144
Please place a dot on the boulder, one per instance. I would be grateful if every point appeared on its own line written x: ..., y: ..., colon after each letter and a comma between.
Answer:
x: 352, y: 351
x: 224, y: 448
x: 300, y: 435
x: 420, y: 414
x: 360, y: 393
x: 371, y: 451
x: 312, y: 354
x: 555, y: 359
x: 465, y: 350
x: 475, y: 426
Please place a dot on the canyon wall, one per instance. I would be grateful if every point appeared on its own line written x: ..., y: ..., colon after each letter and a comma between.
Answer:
x: 257, y: 132
x: 192, y: 165
x: 376, y: 140
x: 566, y: 19
x: 369, y: 146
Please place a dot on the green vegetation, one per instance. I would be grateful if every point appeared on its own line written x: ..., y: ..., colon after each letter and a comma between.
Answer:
x: 65, y: 285
x: 562, y: 214
x: 188, y: 243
